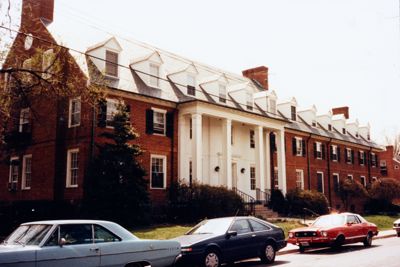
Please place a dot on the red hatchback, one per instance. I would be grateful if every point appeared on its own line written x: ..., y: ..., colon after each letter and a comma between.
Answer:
x: 334, y: 230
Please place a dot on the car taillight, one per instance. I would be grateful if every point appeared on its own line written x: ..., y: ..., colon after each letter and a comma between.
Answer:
x: 186, y: 249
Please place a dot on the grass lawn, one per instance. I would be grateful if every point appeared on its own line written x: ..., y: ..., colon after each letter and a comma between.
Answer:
x: 383, y: 222
x: 170, y: 231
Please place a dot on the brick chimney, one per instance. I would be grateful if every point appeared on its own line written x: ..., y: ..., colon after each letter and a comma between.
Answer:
x: 32, y: 10
x: 341, y: 110
x: 260, y: 74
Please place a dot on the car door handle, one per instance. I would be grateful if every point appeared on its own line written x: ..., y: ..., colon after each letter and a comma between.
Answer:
x: 94, y: 249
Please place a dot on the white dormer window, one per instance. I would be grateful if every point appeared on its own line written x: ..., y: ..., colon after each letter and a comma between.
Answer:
x: 154, y: 75
x: 357, y: 135
x: 368, y: 136
x: 314, y: 123
x: 191, y: 84
x: 222, y: 93
x: 343, y: 130
x: 330, y: 127
x: 249, y: 100
x: 111, y: 63
x: 272, y: 106
x: 293, y: 113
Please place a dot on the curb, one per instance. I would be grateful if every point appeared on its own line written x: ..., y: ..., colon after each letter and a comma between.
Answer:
x: 290, y: 251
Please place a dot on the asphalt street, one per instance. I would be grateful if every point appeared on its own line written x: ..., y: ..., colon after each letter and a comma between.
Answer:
x: 384, y: 252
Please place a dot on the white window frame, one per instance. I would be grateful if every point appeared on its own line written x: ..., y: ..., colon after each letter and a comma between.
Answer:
x: 373, y: 160
x: 350, y: 176
x: 362, y: 155
x: 74, y: 113
x: 253, y: 178
x: 110, y: 115
x: 10, y: 177
x: 323, y: 185
x: 164, y: 159
x: 164, y: 113
x: 252, y: 137
x: 318, y: 146
x: 301, y: 172
x: 335, y: 149
x: 24, y: 172
x: 23, y: 119
x: 314, y: 123
x: 349, y: 156
x: 68, y: 183
x: 276, y: 178
x: 154, y: 78
x: 362, y: 178
x: 116, y: 64
x: 299, y: 146
x: 374, y: 179
x: 191, y: 82
x: 222, y: 93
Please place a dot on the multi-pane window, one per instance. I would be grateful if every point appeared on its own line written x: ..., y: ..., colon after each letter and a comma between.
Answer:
x: 191, y: 85
x: 111, y: 63
x: 26, y: 172
x: 222, y: 93
x: 72, y: 168
x: 343, y: 130
x: 329, y: 127
x: 349, y: 155
x: 74, y: 112
x: 24, y: 120
x: 154, y: 75
x: 158, y: 172
x: 293, y: 113
x: 361, y: 157
x: 300, y: 179
x: 336, y: 182
x: 318, y: 150
x: 159, y: 122
x: 373, y: 160
x: 299, y: 149
x: 363, y: 181
x: 334, y: 153
x: 252, y: 178
x: 314, y: 123
x: 249, y: 100
x: 276, y: 178
x: 112, y: 109
x: 320, y: 182
x: 252, y: 139
x: 14, y: 170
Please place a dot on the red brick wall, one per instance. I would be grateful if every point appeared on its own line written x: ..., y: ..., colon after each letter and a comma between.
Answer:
x: 393, y: 167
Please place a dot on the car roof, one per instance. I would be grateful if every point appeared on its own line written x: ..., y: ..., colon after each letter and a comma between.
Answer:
x: 69, y: 222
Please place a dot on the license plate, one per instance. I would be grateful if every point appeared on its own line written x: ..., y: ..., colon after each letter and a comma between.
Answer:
x: 304, y: 244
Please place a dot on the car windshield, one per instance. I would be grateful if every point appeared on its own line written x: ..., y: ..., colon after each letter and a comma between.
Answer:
x: 28, y: 234
x: 216, y: 226
x: 329, y: 220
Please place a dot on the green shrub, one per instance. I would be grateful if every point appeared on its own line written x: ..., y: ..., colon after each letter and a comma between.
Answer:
x: 196, y: 202
x: 382, y: 193
x: 350, y: 189
x: 278, y: 201
x: 302, y: 202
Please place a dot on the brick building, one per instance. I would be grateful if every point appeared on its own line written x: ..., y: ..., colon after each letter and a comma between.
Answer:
x: 196, y: 122
x: 389, y: 163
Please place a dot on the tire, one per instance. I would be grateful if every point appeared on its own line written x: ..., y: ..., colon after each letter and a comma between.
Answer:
x: 211, y: 259
x: 398, y: 234
x: 368, y: 240
x: 268, y: 253
x: 302, y: 249
x: 338, y: 242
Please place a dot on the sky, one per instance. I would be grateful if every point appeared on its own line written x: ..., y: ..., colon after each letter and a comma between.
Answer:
x: 329, y: 53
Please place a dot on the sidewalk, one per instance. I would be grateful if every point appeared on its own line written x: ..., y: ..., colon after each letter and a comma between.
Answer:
x: 292, y: 248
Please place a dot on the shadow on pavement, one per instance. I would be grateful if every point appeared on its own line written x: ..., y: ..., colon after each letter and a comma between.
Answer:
x: 341, y: 250
x: 258, y: 263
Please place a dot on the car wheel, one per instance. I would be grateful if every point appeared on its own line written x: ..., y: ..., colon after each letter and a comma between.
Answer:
x: 338, y: 242
x: 212, y: 259
x: 398, y: 234
x: 268, y: 253
x: 368, y: 240
x: 302, y: 249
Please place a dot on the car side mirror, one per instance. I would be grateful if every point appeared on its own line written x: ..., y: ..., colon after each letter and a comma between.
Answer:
x: 231, y: 233
x: 62, y: 242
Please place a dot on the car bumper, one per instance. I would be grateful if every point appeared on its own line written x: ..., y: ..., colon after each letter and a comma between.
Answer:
x: 281, y: 244
x: 189, y: 259
x: 311, y: 242
x: 396, y: 228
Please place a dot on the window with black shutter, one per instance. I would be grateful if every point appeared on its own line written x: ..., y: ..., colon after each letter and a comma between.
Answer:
x: 320, y: 182
x: 352, y: 157
x: 336, y: 182
x: 338, y: 154
x: 149, y: 121
x: 170, y: 124
x: 323, y: 151
x: 294, y: 146
x: 303, y: 143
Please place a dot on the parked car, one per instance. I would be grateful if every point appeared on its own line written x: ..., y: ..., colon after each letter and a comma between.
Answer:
x: 83, y: 243
x: 396, y: 226
x: 334, y: 230
x: 226, y: 240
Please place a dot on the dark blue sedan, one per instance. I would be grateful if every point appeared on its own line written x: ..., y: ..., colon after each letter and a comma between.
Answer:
x: 226, y: 240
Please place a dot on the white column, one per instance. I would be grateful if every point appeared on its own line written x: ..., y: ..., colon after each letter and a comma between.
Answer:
x: 183, y: 163
x: 280, y: 144
x: 227, y: 152
x: 267, y: 161
x: 197, y: 145
x: 259, y: 139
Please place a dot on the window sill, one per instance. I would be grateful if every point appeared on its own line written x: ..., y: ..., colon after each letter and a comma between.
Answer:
x: 71, y: 186
x: 26, y: 189
x: 73, y: 126
x: 158, y: 188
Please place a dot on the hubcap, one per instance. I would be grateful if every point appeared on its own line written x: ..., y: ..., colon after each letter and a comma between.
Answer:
x: 269, y: 252
x: 212, y: 260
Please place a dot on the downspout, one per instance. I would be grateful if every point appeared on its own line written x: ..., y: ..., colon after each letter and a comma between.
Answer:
x: 308, y: 163
x: 369, y: 164
x: 329, y: 171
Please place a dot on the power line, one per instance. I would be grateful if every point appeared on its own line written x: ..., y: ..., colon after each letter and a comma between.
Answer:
x: 244, y: 106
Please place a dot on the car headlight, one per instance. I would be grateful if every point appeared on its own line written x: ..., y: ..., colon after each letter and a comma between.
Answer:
x: 291, y: 235
x: 324, y: 233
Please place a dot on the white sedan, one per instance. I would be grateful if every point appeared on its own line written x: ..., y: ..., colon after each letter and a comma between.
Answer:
x: 88, y: 243
x: 396, y: 226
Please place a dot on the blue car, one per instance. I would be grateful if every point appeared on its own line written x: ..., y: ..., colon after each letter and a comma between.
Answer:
x: 88, y: 243
x: 226, y: 240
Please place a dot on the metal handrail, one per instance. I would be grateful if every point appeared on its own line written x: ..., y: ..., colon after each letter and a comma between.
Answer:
x: 263, y: 197
x: 248, y: 201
